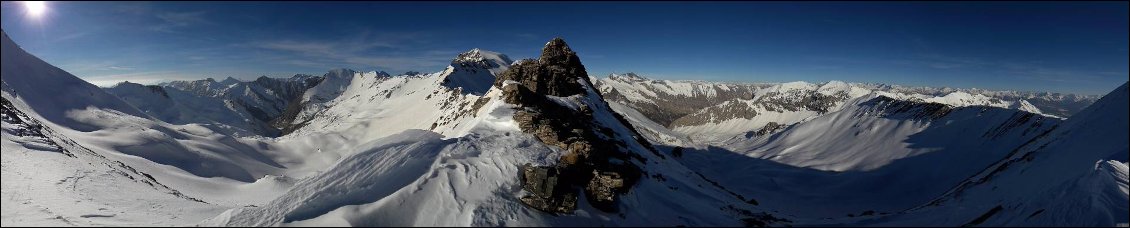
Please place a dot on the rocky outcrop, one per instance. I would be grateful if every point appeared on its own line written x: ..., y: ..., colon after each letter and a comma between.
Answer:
x: 546, y: 192
x: 765, y: 130
x: 556, y: 73
x: 589, y: 147
x: 893, y: 108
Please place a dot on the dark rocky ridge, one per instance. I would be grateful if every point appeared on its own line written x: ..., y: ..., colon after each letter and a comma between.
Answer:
x: 589, y: 147
x: 556, y: 73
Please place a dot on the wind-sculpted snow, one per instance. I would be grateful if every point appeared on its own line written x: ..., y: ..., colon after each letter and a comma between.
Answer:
x: 376, y: 170
x: 52, y: 180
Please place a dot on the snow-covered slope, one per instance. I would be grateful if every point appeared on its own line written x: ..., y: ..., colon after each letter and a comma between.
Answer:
x: 1073, y: 175
x: 371, y: 105
x: 877, y: 154
x: 51, y: 180
x: 80, y: 156
x: 179, y: 107
x: 50, y: 91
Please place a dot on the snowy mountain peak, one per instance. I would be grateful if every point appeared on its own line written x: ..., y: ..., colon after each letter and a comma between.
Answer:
x: 472, y: 72
x: 230, y: 81
x: 628, y: 76
x: 378, y: 74
x: 479, y: 56
x: 339, y: 73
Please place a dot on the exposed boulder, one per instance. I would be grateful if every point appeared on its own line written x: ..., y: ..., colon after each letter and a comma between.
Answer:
x: 546, y: 194
x: 603, y: 187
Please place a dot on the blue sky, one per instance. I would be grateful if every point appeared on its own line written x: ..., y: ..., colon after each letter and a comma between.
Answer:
x: 1075, y: 47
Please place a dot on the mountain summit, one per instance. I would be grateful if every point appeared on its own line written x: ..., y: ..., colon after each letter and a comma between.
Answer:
x: 556, y: 73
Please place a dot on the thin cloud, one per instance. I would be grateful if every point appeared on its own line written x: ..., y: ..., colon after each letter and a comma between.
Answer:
x: 355, y: 51
x: 146, y: 78
x: 171, y: 22
x: 70, y: 36
x: 120, y: 68
x: 87, y: 66
x: 1037, y: 72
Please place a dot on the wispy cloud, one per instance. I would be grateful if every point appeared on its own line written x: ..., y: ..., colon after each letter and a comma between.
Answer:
x: 1043, y: 73
x: 120, y: 68
x: 161, y: 20
x: 364, y: 49
x: 70, y: 36
x: 171, y: 22
x: 94, y: 66
x: 942, y: 62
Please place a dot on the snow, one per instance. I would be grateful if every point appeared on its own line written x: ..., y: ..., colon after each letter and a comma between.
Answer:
x: 864, y: 157
x: 127, y: 169
x: 474, y: 70
x: 410, y: 150
x: 654, y: 132
x: 331, y: 86
x: 1064, y: 175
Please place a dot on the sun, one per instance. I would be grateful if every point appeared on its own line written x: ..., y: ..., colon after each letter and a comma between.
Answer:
x: 35, y: 8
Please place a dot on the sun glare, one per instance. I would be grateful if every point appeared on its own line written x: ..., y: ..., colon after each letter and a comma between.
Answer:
x: 35, y: 8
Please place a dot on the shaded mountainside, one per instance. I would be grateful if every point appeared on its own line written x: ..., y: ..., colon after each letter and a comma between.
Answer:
x: 1075, y: 174
x: 879, y: 154
x: 250, y: 107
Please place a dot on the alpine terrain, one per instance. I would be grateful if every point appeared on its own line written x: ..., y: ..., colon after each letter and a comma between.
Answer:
x: 493, y: 141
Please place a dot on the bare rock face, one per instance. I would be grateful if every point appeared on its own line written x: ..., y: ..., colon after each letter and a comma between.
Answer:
x: 589, y: 147
x: 603, y: 187
x: 546, y: 193
x: 555, y: 73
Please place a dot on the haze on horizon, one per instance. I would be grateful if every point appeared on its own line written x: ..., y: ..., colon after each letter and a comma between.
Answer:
x: 1072, y: 47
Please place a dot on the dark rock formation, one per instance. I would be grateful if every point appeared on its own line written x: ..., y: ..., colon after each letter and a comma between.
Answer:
x: 589, y: 147
x: 765, y: 130
x: 546, y: 193
x: 555, y: 73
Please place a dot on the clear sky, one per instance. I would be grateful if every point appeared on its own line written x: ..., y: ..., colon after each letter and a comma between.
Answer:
x: 1075, y: 47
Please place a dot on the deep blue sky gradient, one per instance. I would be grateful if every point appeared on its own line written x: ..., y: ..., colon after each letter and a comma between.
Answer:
x: 1076, y: 47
